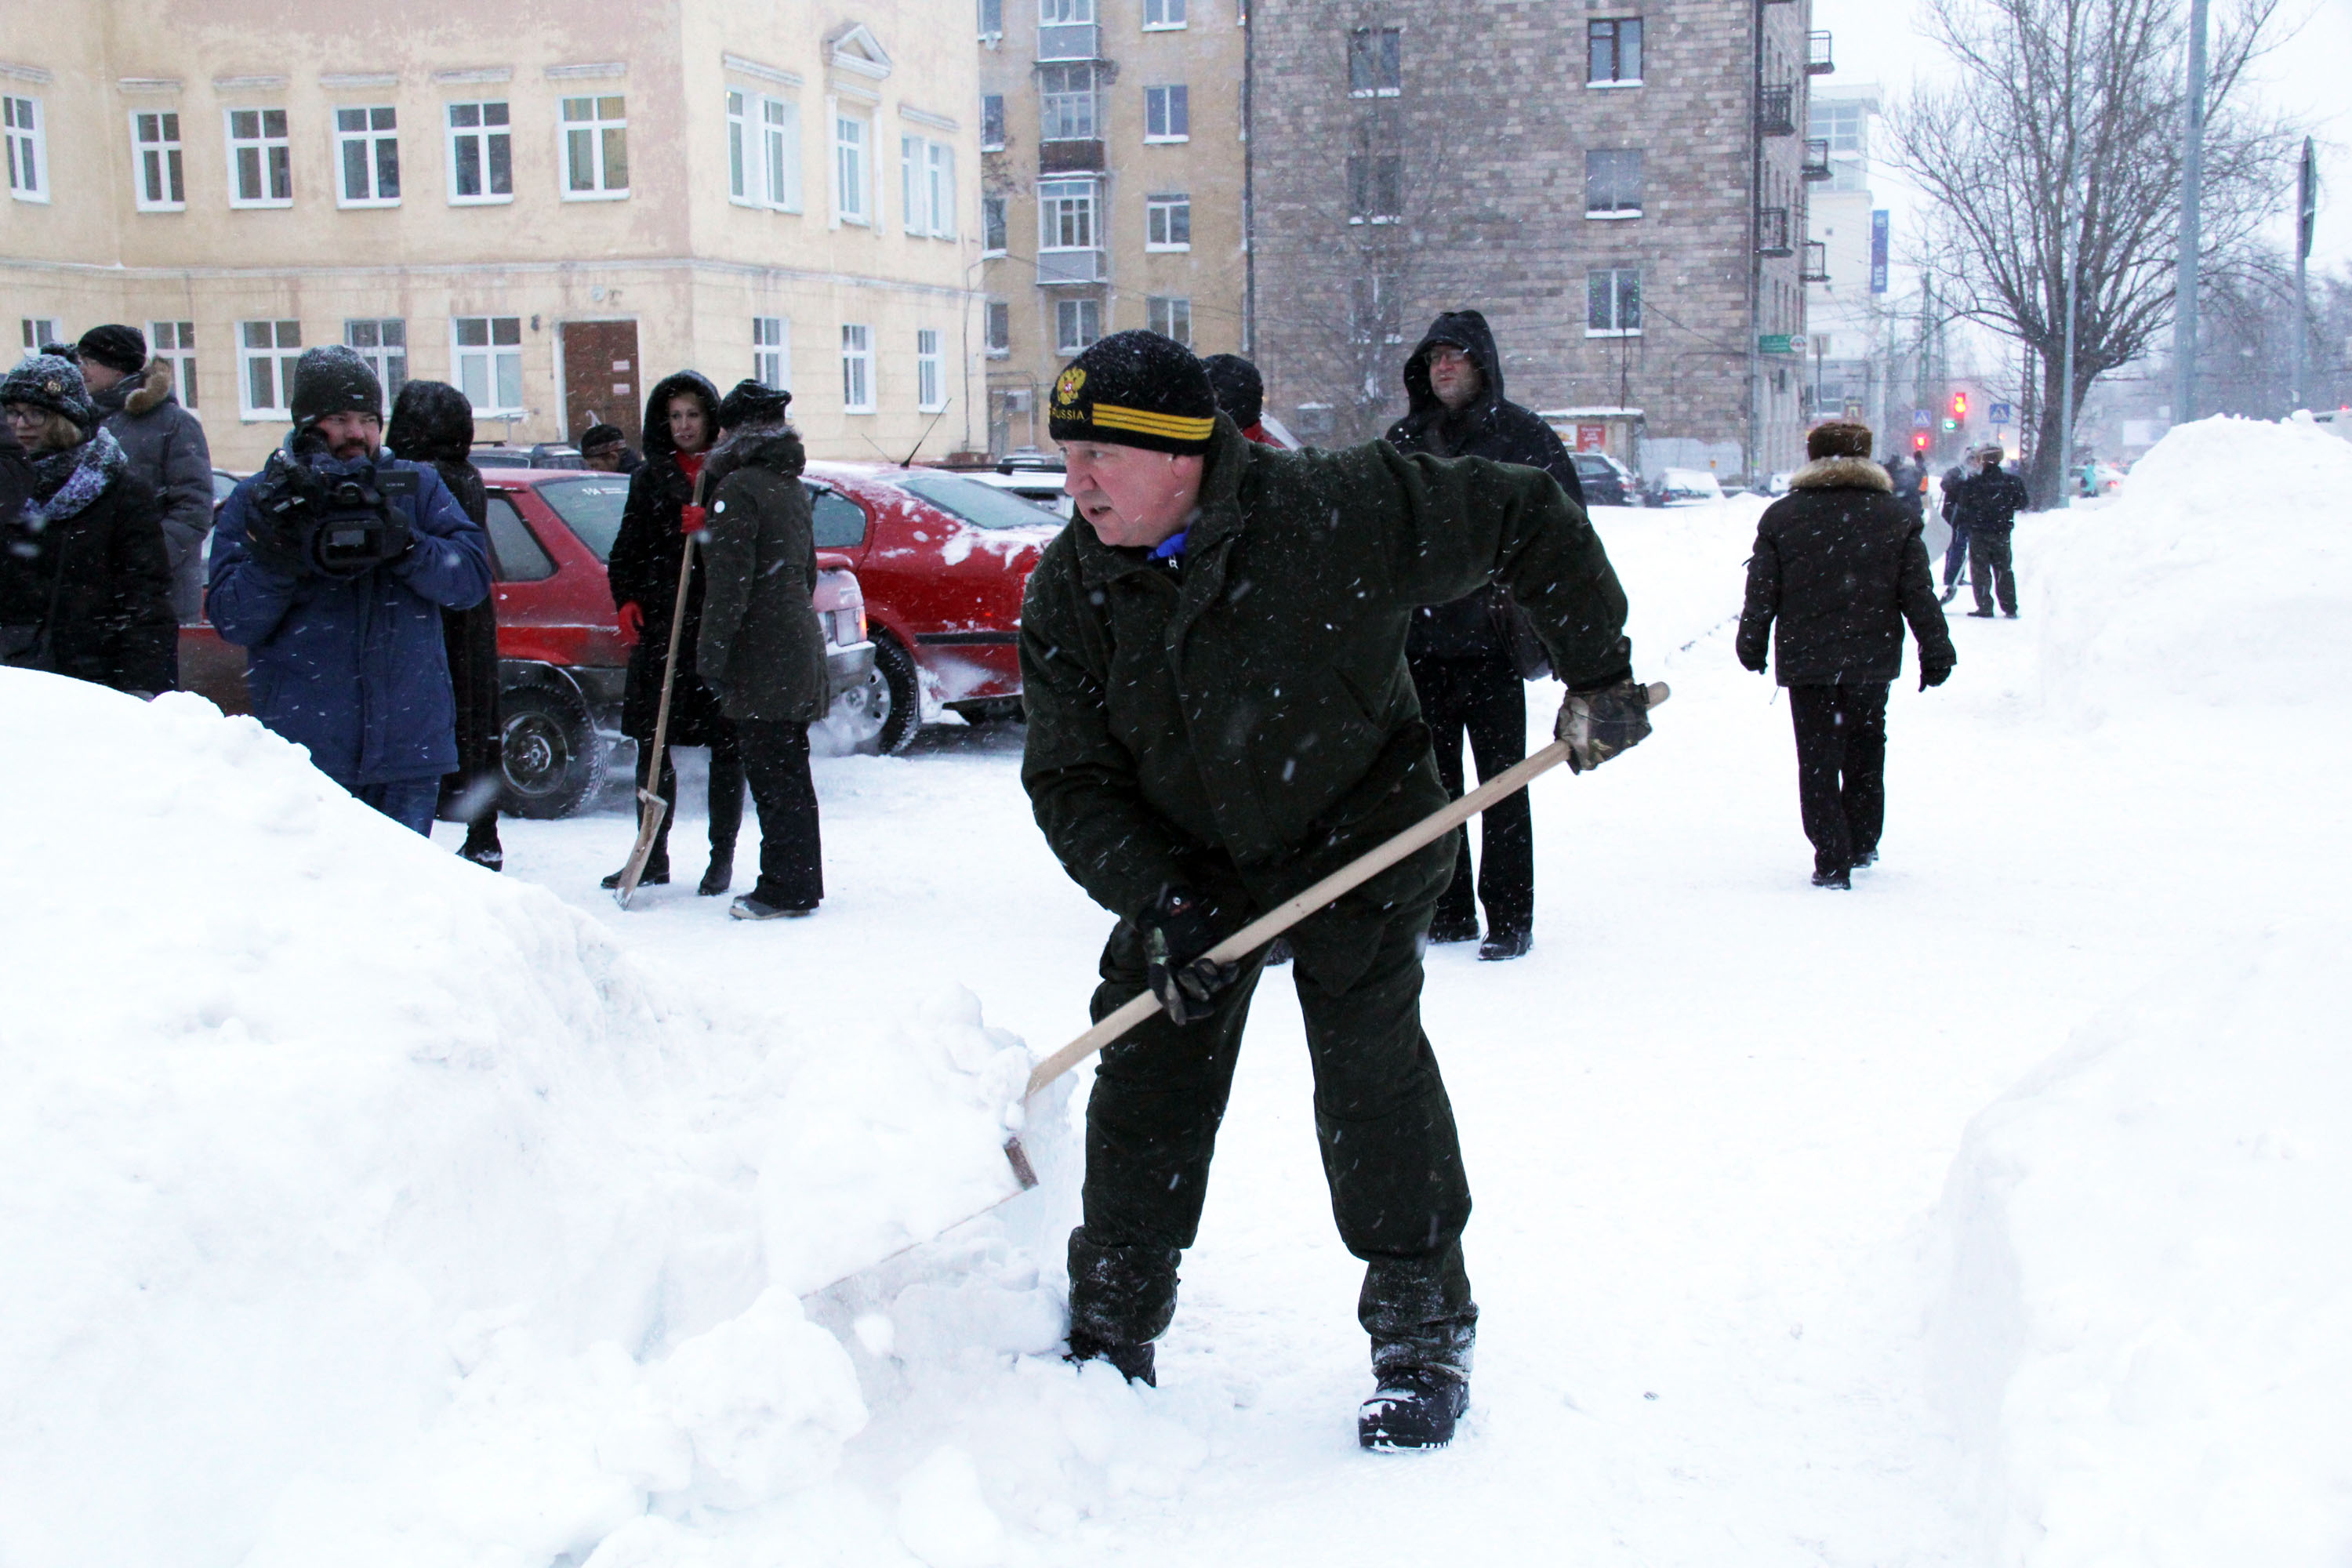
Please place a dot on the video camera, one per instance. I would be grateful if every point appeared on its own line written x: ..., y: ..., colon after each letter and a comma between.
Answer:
x: 334, y: 525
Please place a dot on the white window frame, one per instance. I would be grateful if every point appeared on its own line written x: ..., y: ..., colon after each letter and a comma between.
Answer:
x: 1616, y: 214
x: 1069, y: 313
x: 261, y: 146
x: 772, y: 352
x: 381, y: 354
x: 369, y: 137
x: 174, y: 342
x: 481, y: 134
x: 1163, y: 16
x: 40, y: 330
x: 940, y: 169
x: 1171, y: 316
x: 281, y: 356
x: 490, y: 354
x: 160, y: 165
x: 990, y: 11
x: 930, y: 372
x: 1168, y: 105
x: 996, y: 311
x: 596, y: 127
x: 927, y: 181
x: 1159, y: 219
x: 1616, y: 301
x: 1052, y: 108
x: 991, y: 122
x: 763, y: 151
x: 29, y: 147
x: 1087, y: 197
x: 1001, y: 221
x: 854, y: 186
x: 856, y: 368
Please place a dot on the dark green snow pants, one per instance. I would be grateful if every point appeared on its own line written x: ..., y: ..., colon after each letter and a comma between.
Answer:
x: 1381, y: 1116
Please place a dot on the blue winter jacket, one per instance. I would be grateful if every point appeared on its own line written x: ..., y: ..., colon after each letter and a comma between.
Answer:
x: 354, y: 668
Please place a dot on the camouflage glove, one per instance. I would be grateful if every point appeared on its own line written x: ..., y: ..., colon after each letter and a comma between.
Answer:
x: 1178, y: 929
x: 1597, y: 725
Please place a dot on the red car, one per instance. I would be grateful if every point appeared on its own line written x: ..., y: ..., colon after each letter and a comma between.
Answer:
x: 943, y: 560
x: 562, y: 662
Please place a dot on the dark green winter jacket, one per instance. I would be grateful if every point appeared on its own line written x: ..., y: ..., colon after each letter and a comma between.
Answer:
x: 1255, y: 708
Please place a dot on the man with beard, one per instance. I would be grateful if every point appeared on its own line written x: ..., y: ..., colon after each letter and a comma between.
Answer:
x: 330, y: 568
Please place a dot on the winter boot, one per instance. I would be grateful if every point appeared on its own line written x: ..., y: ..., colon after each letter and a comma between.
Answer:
x: 751, y: 907
x: 482, y: 848
x: 1865, y: 858
x: 1416, y: 1408
x: 721, y: 875
x: 1134, y: 1362
x: 1838, y: 877
x: 1979, y: 614
x: 1462, y: 930
x: 656, y: 873
x: 1505, y: 944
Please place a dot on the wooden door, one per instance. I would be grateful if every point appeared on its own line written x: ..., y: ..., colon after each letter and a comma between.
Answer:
x: 600, y: 379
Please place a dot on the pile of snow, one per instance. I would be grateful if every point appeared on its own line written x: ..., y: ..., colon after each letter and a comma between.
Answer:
x: 361, y: 1207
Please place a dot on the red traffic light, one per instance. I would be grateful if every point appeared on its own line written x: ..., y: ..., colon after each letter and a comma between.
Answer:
x: 1959, y: 405
x: 1919, y: 440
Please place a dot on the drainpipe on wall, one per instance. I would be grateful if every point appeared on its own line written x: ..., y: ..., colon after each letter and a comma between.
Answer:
x: 1249, y: 188
x: 1754, y: 217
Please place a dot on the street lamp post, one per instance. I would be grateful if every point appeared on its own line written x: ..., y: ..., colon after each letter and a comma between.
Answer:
x: 2192, y: 166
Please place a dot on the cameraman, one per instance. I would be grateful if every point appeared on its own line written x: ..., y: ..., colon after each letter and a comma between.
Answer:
x: 331, y: 567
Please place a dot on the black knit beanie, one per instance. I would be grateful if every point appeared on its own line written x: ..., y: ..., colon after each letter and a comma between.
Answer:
x: 52, y: 381
x: 333, y: 379
x: 1136, y: 389
x: 117, y: 347
x: 1239, y: 389
x: 752, y: 403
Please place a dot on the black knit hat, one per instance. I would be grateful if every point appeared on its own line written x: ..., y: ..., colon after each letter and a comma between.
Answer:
x: 1136, y: 389
x: 333, y: 379
x: 597, y: 436
x: 117, y: 347
x: 750, y: 403
x: 1240, y: 390
x: 52, y: 381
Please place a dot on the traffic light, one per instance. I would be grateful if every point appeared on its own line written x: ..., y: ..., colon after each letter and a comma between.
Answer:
x: 1918, y: 440
x: 1961, y: 406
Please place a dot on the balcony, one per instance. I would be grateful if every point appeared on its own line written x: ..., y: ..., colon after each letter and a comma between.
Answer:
x: 1819, y: 60
x: 1773, y: 232
x: 1816, y: 165
x: 1072, y: 266
x: 1815, y: 267
x: 1776, y: 113
x: 1070, y: 157
x: 1069, y: 41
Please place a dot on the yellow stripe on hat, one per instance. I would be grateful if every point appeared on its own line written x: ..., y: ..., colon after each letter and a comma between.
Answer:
x: 1143, y: 422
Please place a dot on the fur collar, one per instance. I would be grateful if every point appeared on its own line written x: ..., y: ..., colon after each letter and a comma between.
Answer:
x: 153, y: 391
x: 1842, y: 474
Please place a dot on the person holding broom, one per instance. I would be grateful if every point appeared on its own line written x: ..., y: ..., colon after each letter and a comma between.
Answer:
x: 1220, y: 713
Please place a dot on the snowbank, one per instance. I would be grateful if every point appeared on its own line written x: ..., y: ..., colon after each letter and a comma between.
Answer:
x: 363, y: 1207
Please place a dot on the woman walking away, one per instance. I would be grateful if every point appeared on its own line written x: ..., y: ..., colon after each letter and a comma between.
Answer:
x: 85, y: 581
x: 681, y: 422
x: 762, y: 652
x: 433, y: 423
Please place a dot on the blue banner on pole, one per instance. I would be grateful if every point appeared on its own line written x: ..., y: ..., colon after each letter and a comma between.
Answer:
x: 1878, y: 251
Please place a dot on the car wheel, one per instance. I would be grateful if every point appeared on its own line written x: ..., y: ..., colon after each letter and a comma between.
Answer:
x: 549, y: 751
x: 880, y: 718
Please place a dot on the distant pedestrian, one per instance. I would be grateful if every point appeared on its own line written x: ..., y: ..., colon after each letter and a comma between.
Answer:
x: 433, y: 423
x: 1241, y: 394
x: 1990, y: 500
x: 1956, y: 552
x: 1910, y: 480
x: 1471, y: 660
x: 165, y: 445
x: 605, y: 449
x: 1839, y: 565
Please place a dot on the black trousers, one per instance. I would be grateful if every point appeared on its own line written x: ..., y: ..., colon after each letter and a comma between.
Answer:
x: 1841, y: 768
x: 726, y: 794
x: 1989, y: 571
x: 1485, y: 698
x: 1390, y: 1156
x: 792, y: 857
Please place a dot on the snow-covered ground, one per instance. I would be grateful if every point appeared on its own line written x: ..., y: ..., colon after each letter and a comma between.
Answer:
x: 363, y: 1209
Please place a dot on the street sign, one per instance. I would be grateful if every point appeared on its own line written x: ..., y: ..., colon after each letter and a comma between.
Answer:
x: 1999, y: 413
x: 1777, y: 343
x: 1921, y: 419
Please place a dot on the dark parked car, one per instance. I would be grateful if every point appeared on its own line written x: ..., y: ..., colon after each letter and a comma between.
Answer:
x: 545, y: 455
x: 1607, y: 482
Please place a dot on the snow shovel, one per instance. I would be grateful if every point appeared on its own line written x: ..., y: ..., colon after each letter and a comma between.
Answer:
x: 651, y: 806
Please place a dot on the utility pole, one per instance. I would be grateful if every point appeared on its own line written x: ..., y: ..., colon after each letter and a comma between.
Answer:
x: 2307, y: 218
x: 2070, y: 256
x: 1755, y: 240
x: 2192, y: 168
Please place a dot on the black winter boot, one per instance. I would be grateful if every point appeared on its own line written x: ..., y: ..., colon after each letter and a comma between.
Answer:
x: 657, y: 874
x: 1134, y: 1362
x: 1836, y: 876
x: 1506, y: 944
x: 482, y: 848
x: 721, y: 874
x: 1416, y: 1408
x: 1465, y: 929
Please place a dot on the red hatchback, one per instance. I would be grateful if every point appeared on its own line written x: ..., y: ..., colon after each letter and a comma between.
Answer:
x: 943, y: 562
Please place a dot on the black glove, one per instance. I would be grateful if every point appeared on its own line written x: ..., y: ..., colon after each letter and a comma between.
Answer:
x: 1934, y: 675
x: 275, y: 538
x: 1752, y: 666
x: 1597, y: 725
x: 1178, y: 929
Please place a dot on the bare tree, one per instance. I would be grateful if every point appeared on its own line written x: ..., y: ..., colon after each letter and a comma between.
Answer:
x: 2103, y: 81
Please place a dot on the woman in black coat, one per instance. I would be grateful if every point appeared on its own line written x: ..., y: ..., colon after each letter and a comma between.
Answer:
x: 85, y: 581
x: 433, y: 423
x: 681, y: 423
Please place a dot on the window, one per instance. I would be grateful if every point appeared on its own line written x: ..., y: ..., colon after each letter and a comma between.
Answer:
x: 1168, y: 223
x: 772, y: 352
x: 1845, y: 126
x: 42, y: 330
x: 595, y: 149
x: 488, y: 358
x: 1375, y: 62
x: 991, y: 225
x: 1076, y: 324
x: 851, y: 203
x: 384, y: 345
x: 857, y: 369
x: 260, y: 159
x: 367, y: 157
x: 1613, y: 53
x: 1159, y: 14
x: 763, y: 151
x: 992, y: 20
x: 265, y: 353
x: 1375, y: 188
x: 1613, y: 302
x: 28, y: 149
x: 837, y: 522
x: 516, y: 555
x: 1066, y: 103
x: 999, y: 329
x: 481, y: 154
x: 591, y: 508
x: 927, y: 170
x: 991, y: 122
x: 1167, y: 114
x: 156, y: 182
x: 174, y: 342
x: 1171, y: 319
x: 1065, y: 216
x: 1612, y: 184
x: 930, y: 372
